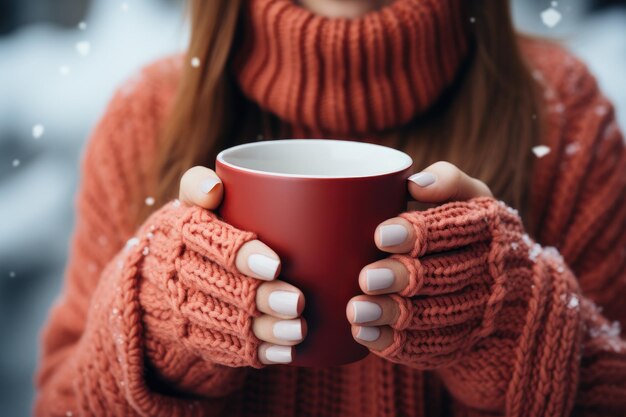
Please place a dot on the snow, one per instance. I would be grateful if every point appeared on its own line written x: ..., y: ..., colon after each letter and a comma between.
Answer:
x: 150, y: 201
x: 83, y: 48
x: 145, y: 251
x: 132, y: 242
x: 82, y: 25
x: 195, y: 62
x: 15, y: 163
x: 472, y: 19
x: 572, y: 148
x: 12, y: 274
x: 541, y: 151
x: 573, y: 302
x: 38, y: 130
x: 551, y: 17
x: 64, y: 70
x: 124, y: 7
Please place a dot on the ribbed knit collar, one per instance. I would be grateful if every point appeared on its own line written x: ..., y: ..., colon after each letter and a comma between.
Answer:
x: 350, y: 75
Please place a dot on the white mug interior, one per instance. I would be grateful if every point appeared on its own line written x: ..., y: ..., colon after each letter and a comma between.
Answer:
x: 315, y: 158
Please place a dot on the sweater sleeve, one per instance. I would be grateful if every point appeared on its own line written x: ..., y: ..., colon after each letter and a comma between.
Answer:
x: 153, y: 327
x: 584, y: 217
x: 518, y: 326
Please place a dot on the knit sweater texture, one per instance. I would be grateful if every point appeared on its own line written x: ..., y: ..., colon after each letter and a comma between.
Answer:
x: 156, y: 321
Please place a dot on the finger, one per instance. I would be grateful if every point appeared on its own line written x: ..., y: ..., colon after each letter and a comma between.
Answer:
x: 375, y: 338
x: 257, y: 260
x: 280, y: 299
x: 278, y: 331
x: 384, y: 277
x: 395, y: 235
x: 270, y: 354
x: 200, y: 186
x: 372, y: 310
x: 442, y: 182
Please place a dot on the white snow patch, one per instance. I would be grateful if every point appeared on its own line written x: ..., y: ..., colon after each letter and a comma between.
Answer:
x: 83, y: 48
x: 572, y: 148
x: 38, y: 130
x: 541, y: 151
x: 551, y: 17
x: 64, y: 70
x: 132, y: 242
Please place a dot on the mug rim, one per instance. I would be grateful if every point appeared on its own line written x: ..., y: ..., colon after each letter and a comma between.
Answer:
x: 220, y: 159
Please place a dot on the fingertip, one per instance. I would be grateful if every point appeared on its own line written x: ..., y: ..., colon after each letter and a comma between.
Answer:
x: 271, y: 354
x: 200, y: 186
x: 258, y: 260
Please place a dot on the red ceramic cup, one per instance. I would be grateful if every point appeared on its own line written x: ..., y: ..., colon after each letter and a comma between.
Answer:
x: 317, y: 204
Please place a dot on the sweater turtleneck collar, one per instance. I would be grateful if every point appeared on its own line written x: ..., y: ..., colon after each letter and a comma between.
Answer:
x: 350, y: 76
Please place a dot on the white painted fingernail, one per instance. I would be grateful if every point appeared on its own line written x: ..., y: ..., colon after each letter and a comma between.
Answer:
x: 392, y: 234
x: 208, y: 184
x: 378, y: 278
x: 263, y: 265
x: 368, y: 333
x: 284, y: 302
x: 288, y: 329
x: 423, y: 179
x: 365, y: 311
x: 279, y: 354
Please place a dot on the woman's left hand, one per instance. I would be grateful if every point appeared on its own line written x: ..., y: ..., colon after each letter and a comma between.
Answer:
x: 374, y: 315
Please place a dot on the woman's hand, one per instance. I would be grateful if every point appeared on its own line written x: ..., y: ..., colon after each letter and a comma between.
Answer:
x: 374, y: 315
x: 280, y: 326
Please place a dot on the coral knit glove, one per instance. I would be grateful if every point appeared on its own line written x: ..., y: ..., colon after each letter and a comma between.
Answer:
x: 194, y: 298
x: 497, y: 315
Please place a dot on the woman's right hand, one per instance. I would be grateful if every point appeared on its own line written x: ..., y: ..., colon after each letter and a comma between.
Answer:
x: 280, y: 327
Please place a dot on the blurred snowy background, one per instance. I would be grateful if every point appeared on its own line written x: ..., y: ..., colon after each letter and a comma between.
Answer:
x: 59, y: 63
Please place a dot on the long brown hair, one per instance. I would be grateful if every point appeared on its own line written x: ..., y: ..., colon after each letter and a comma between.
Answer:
x: 486, y: 125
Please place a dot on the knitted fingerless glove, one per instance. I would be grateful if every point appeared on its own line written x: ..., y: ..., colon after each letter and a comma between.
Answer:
x: 495, y: 313
x: 170, y: 304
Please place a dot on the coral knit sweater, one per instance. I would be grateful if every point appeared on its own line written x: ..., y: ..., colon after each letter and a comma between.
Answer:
x: 155, y: 322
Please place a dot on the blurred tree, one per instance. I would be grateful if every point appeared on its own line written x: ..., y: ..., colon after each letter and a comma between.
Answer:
x: 15, y: 13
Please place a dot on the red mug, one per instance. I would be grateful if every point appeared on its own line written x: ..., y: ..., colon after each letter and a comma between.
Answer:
x: 316, y: 203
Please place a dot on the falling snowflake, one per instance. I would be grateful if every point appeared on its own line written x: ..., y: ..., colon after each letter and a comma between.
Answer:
x: 83, y: 48
x: 38, y: 130
x: 176, y: 203
x: 82, y: 25
x: 150, y: 201
x: 572, y: 148
x: 514, y: 245
x: 133, y: 241
x: 146, y: 251
x: 541, y: 151
x: 12, y: 274
x: 15, y: 163
x: 69, y: 414
x: 551, y: 17
x: 472, y: 19
x: 124, y: 7
x: 554, y: 3
x: 601, y: 110
x: 195, y: 62
x: 64, y: 70
x: 573, y: 302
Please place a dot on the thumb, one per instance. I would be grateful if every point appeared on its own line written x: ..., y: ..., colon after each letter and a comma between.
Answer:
x: 442, y: 182
x: 200, y: 186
